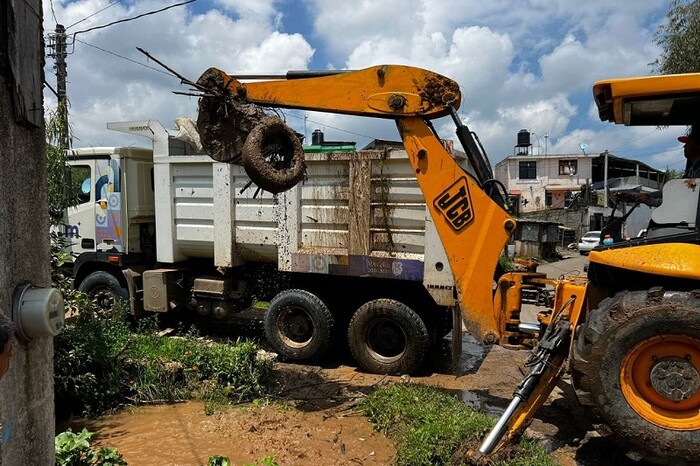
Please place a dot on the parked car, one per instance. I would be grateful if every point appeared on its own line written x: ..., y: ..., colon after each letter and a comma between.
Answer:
x: 588, y: 241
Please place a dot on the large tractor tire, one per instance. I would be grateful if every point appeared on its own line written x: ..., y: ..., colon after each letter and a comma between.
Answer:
x: 299, y: 325
x: 388, y: 337
x: 636, y: 366
x: 105, y: 290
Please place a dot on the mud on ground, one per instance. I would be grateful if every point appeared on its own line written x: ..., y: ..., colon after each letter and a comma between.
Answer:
x: 318, y: 422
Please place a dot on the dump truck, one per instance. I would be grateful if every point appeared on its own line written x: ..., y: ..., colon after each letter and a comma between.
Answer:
x: 629, y: 333
x: 350, y: 256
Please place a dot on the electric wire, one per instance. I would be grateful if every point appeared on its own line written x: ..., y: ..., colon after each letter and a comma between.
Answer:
x: 123, y: 57
x: 53, y: 13
x: 90, y: 16
x: 332, y: 127
x: 132, y: 18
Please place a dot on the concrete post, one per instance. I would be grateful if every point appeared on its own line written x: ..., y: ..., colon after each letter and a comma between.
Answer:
x: 26, y: 391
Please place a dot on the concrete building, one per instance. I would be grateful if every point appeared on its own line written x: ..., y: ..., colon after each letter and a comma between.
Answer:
x: 26, y: 391
x: 540, y: 182
x: 573, y: 189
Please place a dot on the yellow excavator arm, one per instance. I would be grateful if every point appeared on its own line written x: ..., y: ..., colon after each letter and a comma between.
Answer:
x: 469, y: 210
x: 472, y: 227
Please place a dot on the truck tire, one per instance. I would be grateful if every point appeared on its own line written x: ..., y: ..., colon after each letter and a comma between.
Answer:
x: 387, y: 337
x: 273, y: 156
x: 299, y: 325
x: 105, y: 291
x: 636, y: 366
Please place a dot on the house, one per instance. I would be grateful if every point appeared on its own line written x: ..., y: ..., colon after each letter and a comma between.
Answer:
x: 539, y: 182
x: 574, y: 189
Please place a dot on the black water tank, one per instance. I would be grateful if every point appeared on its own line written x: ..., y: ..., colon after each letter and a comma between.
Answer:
x: 523, y: 138
x: 317, y: 137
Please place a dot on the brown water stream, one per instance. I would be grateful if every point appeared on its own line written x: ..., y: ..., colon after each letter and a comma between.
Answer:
x: 181, y: 434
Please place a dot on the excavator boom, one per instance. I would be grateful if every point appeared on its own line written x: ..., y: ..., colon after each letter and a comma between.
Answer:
x: 386, y: 91
x: 468, y: 210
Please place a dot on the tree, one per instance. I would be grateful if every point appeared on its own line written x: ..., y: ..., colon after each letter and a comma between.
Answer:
x: 672, y: 174
x: 56, y: 133
x: 679, y: 39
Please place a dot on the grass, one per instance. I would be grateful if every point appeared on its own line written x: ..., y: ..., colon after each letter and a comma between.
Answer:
x: 429, y: 426
x: 102, y: 364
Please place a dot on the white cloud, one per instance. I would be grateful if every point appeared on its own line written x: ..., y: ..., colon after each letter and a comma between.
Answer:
x: 103, y: 87
x: 527, y: 64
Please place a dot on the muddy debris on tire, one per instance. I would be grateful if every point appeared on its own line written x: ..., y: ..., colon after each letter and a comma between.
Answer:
x: 235, y: 131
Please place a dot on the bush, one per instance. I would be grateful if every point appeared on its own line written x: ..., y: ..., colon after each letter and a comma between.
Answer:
x: 100, y: 365
x: 74, y: 450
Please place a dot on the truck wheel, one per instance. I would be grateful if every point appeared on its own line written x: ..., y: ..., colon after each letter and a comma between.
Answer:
x: 636, y: 365
x: 273, y: 156
x: 388, y: 337
x: 105, y: 291
x: 298, y: 325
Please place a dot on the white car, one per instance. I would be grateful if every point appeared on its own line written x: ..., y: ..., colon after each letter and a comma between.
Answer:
x: 588, y: 241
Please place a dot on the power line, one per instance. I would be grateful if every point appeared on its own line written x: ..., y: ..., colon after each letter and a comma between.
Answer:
x: 90, y: 16
x: 332, y: 127
x: 122, y: 57
x: 132, y: 18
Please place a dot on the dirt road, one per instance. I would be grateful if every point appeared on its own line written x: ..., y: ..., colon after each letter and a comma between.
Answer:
x: 324, y: 429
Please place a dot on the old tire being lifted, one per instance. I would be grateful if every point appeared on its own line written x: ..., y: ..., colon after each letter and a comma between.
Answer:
x: 299, y: 325
x: 387, y: 337
x: 273, y: 156
x: 637, y: 367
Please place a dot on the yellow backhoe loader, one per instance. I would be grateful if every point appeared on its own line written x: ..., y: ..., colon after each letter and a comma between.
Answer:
x: 629, y: 333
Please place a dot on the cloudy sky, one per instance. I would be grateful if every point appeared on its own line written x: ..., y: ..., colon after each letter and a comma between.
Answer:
x: 521, y: 64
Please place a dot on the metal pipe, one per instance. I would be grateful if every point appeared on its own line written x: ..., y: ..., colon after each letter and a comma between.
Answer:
x: 499, y: 429
x: 529, y: 327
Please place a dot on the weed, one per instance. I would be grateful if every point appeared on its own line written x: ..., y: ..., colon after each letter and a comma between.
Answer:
x: 430, y: 425
x: 73, y: 449
x: 103, y: 364
x: 218, y: 460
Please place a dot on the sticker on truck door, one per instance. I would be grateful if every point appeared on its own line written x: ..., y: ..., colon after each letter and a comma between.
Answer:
x: 455, y: 204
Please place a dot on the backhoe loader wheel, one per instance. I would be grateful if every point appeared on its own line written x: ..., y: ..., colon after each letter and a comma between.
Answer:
x: 273, y: 156
x: 299, y: 325
x: 637, y: 366
x: 388, y: 337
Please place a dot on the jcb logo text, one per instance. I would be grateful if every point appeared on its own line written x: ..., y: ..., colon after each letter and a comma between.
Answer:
x: 455, y: 204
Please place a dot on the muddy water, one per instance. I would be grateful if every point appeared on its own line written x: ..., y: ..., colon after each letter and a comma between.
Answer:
x: 181, y: 434
x: 324, y: 429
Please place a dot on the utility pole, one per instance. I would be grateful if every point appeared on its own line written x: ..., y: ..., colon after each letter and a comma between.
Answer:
x: 57, y: 43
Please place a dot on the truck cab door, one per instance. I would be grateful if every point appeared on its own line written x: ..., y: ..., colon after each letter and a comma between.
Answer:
x: 79, y: 221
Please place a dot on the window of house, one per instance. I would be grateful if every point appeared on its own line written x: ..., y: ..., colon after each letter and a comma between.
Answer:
x: 548, y: 198
x: 568, y: 167
x: 527, y: 170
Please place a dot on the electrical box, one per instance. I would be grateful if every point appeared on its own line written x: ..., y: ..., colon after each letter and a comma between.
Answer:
x: 38, y: 312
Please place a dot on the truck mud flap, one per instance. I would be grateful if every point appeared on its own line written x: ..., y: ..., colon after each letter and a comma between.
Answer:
x: 134, y: 283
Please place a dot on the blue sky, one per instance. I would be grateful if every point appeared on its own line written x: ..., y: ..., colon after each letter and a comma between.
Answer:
x: 520, y: 64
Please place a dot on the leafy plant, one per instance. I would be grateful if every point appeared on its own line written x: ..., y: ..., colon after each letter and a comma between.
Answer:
x: 218, y: 460
x: 103, y: 364
x: 73, y: 449
x: 430, y: 425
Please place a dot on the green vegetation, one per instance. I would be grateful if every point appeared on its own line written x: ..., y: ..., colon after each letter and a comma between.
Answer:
x: 224, y: 461
x: 679, y: 39
x: 74, y: 450
x: 430, y: 425
x: 103, y: 364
